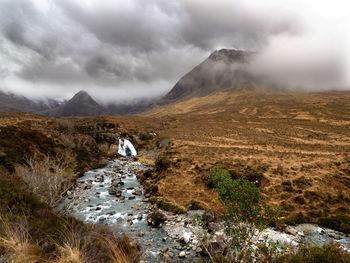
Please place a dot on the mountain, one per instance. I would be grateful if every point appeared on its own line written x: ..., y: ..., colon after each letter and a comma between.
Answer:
x: 82, y: 104
x: 223, y: 69
x: 13, y: 102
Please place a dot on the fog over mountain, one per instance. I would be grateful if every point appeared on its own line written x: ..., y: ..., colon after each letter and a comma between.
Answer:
x: 120, y: 51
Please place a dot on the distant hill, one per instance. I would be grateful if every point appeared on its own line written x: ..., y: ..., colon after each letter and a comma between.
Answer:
x: 13, y: 102
x: 82, y: 104
x: 223, y: 69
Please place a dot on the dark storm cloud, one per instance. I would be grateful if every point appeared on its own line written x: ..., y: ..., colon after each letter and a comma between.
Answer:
x: 231, y: 23
x: 131, y: 48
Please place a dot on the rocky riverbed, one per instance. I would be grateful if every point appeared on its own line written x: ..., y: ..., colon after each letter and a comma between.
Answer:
x: 113, y: 196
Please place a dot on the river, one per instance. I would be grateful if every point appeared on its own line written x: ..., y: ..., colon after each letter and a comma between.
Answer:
x: 122, y: 208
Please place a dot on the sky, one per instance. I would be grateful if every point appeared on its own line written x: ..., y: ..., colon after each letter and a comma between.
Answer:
x: 126, y: 50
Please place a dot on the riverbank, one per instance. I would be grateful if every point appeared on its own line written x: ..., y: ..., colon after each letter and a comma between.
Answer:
x: 112, y: 196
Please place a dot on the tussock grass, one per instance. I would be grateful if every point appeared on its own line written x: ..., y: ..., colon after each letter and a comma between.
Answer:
x: 16, y: 241
x: 72, y: 248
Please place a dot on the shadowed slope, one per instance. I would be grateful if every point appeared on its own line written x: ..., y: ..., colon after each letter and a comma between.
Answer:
x: 223, y: 69
x: 80, y: 105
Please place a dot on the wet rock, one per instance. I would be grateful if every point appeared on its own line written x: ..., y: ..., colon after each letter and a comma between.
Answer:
x: 101, y: 219
x: 182, y: 254
x: 131, y: 197
x: 185, y: 238
x: 137, y: 192
x: 112, y: 190
x: 170, y: 254
x: 88, y: 186
x: 99, y: 179
x: 118, y: 193
x: 155, y: 218
x: 116, y: 182
x: 199, y: 250
x: 291, y: 231
x: 165, y: 249
x: 141, y: 234
x: 333, y: 235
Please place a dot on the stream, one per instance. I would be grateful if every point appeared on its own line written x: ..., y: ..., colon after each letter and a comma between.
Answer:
x: 113, y: 196
x: 126, y: 213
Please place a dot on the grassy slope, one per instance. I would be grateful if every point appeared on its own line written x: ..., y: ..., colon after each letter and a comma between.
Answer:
x: 299, y: 137
x: 87, y: 144
x: 304, y: 138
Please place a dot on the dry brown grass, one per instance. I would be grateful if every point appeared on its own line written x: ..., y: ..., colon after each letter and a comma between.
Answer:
x: 15, y: 240
x: 299, y: 137
x: 117, y: 254
x: 72, y: 249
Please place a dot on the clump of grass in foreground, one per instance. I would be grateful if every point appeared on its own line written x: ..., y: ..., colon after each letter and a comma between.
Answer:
x: 15, y: 240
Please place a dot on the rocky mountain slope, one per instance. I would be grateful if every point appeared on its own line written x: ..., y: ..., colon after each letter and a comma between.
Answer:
x: 82, y: 104
x: 13, y: 102
x: 223, y: 69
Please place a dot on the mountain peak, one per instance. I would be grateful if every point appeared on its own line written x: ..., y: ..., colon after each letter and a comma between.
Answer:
x: 82, y: 94
x: 223, y: 69
x: 82, y: 104
x: 229, y: 55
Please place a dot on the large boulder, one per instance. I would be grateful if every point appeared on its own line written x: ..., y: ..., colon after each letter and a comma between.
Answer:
x: 156, y: 218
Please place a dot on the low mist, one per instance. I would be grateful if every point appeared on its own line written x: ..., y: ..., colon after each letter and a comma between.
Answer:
x: 134, y: 50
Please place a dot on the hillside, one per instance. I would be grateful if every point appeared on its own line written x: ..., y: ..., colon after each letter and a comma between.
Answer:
x: 82, y: 104
x: 223, y: 69
x: 296, y: 145
x: 13, y: 102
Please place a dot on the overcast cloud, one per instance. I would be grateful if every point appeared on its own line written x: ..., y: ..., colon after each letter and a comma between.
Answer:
x: 123, y: 50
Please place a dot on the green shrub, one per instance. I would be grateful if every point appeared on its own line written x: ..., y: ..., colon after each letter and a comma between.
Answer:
x: 244, y: 217
x: 315, y: 254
